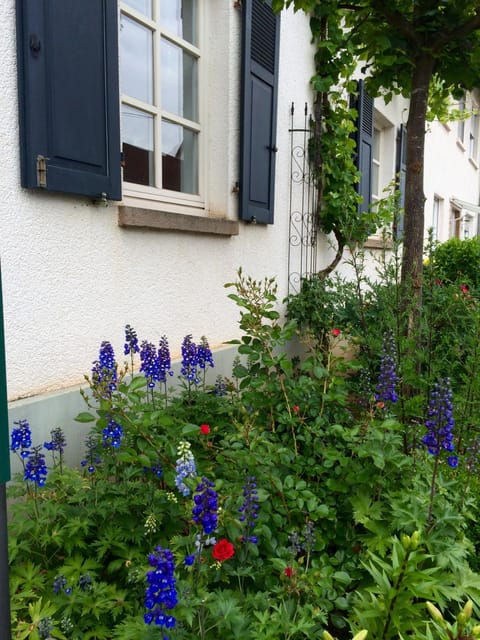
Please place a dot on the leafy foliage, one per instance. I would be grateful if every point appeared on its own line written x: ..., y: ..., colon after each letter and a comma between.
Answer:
x: 321, y: 517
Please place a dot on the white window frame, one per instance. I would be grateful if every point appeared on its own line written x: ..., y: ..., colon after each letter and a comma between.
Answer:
x: 376, y: 162
x: 436, y: 216
x: 151, y: 197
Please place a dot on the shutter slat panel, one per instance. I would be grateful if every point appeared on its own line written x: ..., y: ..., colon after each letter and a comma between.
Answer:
x: 363, y: 103
x: 69, y: 96
x: 261, y: 30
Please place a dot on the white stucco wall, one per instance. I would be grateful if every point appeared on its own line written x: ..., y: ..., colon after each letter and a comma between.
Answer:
x: 72, y: 277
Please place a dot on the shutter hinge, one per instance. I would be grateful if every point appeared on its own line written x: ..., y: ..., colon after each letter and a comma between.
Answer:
x: 42, y: 171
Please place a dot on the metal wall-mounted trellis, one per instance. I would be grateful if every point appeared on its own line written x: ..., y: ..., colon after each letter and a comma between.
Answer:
x: 303, y: 227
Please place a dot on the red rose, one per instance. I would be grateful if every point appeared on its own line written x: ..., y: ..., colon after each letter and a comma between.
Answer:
x: 223, y: 550
x: 204, y: 429
x: 288, y: 571
x: 335, y: 332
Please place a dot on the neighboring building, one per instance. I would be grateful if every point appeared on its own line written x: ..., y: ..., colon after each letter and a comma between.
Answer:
x: 200, y: 108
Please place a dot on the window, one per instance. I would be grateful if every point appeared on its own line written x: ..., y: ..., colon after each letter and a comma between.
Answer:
x: 461, y: 122
x: 473, y: 137
x: 455, y: 222
x: 159, y: 84
x: 70, y: 101
x: 435, y: 217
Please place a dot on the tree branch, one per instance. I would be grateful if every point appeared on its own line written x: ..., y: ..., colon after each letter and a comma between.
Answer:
x: 461, y: 31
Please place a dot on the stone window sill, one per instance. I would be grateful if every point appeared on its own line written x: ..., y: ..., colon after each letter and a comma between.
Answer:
x: 136, y: 217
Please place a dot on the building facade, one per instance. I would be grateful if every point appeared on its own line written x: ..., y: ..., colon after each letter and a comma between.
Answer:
x: 147, y: 155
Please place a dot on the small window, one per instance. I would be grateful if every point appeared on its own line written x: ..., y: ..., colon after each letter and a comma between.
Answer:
x: 461, y: 122
x: 435, y: 217
x: 455, y: 223
x: 473, y: 139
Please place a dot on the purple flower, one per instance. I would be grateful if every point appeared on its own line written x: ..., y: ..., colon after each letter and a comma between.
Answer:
x: 189, y: 560
x: 59, y: 584
x: 91, y: 454
x: 58, y: 441
x: 164, y: 362
x: 440, y: 421
x: 85, y: 582
x: 35, y: 467
x: 155, y: 469
x: 220, y: 389
x: 112, y: 434
x: 161, y: 592
x: 249, y: 509
x: 131, y: 341
x: 204, y: 354
x: 104, y: 371
x: 189, y: 360
x: 387, y: 379
x: 149, y: 363
x: 21, y: 438
x: 205, y: 506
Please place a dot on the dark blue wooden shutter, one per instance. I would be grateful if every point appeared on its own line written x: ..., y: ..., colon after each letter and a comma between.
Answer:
x: 401, y: 172
x: 69, y: 96
x: 261, y: 33
x: 363, y: 103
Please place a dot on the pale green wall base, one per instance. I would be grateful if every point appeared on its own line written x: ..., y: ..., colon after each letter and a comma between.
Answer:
x: 48, y: 411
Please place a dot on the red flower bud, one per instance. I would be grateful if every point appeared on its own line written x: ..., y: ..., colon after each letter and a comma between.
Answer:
x: 204, y: 429
x: 335, y: 332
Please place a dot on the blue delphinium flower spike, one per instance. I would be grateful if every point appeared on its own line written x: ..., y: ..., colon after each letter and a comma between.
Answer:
x: 161, y: 592
x: 205, y: 506
x: 35, y: 467
x: 440, y: 421
x: 21, y: 438
x: 189, y: 360
x: 131, y: 341
x: 249, y: 509
x: 104, y: 370
x: 386, y: 390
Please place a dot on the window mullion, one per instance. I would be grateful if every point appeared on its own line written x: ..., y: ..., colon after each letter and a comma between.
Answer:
x: 157, y: 99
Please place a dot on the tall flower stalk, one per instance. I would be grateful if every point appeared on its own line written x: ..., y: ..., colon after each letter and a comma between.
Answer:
x: 161, y: 592
x: 439, y: 436
x: 205, y: 357
x: 386, y: 390
x: 104, y: 371
x: 131, y: 347
x: 189, y: 363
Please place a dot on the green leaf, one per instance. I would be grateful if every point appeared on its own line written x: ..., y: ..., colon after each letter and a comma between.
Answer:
x: 84, y: 416
x: 137, y: 383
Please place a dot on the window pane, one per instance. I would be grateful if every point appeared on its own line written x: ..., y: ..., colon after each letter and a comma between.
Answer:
x: 179, y: 158
x: 179, y: 84
x: 136, y: 57
x: 138, y: 146
x: 142, y: 6
x: 180, y: 17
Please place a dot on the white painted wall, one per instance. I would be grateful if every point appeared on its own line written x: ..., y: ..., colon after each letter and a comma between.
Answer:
x: 72, y: 277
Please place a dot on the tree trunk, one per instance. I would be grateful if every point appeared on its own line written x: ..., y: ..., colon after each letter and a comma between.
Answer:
x: 412, y: 263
